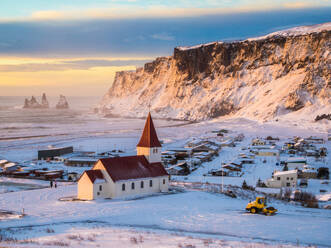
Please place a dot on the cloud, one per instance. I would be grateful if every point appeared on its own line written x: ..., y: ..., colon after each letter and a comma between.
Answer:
x: 304, y: 4
x: 77, y: 64
x: 142, y: 37
x: 162, y: 9
x: 93, y: 82
x: 163, y: 36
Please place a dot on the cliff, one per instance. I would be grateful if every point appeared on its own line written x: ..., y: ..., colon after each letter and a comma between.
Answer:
x: 258, y: 78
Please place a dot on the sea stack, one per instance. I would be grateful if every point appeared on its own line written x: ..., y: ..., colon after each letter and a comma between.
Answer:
x: 62, y: 104
x: 44, y: 101
x: 34, y: 104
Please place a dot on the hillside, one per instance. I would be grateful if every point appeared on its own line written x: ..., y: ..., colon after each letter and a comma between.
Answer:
x: 259, y: 78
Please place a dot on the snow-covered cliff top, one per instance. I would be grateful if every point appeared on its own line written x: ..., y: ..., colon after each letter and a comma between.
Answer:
x: 297, y: 31
x: 301, y: 30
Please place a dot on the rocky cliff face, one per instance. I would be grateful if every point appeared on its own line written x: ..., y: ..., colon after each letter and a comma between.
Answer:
x: 259, y: 78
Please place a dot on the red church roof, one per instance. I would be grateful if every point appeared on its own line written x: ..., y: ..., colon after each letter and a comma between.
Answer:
x: 94, y: 174
x: 132, y: 167
x: 149, y: 137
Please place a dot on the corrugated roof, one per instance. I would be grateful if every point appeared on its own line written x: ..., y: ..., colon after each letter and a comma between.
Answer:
x: 94, y: 175
x: 132, y: 167
x: 149, y: 137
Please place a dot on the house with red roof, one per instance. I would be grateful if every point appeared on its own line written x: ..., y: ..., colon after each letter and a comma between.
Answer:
x: 117, y: 177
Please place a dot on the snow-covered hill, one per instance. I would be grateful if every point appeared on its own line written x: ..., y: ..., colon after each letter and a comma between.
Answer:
x: 285, y: 73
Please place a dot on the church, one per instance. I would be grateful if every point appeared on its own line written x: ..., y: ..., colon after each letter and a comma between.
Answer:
x: 128, y: 176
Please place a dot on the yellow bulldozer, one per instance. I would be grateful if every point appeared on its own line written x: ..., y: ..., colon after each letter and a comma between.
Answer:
x: 259, y: 207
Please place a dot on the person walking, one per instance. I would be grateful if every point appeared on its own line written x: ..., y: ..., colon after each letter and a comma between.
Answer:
x: 55, y: 185
x: 51, y: 183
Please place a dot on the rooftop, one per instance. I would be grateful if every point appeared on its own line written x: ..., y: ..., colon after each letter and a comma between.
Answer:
x: 93, y: 175
x: 132, y: 167
x: 278, y: 173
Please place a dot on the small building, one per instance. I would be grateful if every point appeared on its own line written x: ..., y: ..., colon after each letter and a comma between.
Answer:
x: 315, y: 140
x: 3, y: 162
x: 268, y: 152
x: 312, y: 153
x: 282, y: 179
x: 54, y: 152
x: 72, y: 176
x: 296, y: 163
x: 258, y: 142
x: 11, y: 167
x: 180, y: 169
x: 307, y: 173
x: 81, y: 161
x: 246, y: 160
x: 128, y: 176
x: 289, y: 145
x: 227, y: 143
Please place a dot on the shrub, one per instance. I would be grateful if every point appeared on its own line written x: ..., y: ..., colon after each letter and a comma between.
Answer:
x: 134, y: 240
x: 50, y: 230
x: 75, y: 237
x: 323, y: 173
x: 307, y: 199
x: 323, y: 116
x: 245, y: 186
x: 260, y: 184
x: 287, y: 194
x: 57, y: 243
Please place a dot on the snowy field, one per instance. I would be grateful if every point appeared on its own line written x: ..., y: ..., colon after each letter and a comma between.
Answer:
x: 188, y: 218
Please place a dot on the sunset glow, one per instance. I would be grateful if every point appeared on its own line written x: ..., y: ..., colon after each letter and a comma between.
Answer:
x: 57, y: 46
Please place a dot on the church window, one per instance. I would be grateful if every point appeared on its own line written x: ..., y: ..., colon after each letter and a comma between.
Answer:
x: 150, y: 183
x: 132, y: 185
x: 123, y: 187
x: 142, y: 184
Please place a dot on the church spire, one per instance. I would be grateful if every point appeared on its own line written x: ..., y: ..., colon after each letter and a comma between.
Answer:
x: 149, y: 137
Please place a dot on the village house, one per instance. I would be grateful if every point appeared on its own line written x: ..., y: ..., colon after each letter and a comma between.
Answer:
x: 179, y: 169
x: 315, y: 140
x: 282, y: 179
x: 296, y: 163
x: 3, y: 162
x: 128, y: 176
x: 52, y: 152
x: 268, y: 152
x: 11, y: 167
x: 258, y: 142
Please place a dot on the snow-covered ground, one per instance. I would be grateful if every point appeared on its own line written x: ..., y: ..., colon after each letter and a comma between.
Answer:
x: 191, y: 217
x: 193, y: 212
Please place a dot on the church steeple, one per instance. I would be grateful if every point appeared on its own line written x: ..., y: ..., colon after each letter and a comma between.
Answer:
x: 149, y: 144
x: 149, y: 137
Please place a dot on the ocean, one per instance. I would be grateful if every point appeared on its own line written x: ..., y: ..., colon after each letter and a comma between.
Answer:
x: 13, y: 118
x: 25, y: 131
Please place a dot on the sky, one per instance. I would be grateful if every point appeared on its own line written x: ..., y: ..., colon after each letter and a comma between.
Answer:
x: 74, y: 47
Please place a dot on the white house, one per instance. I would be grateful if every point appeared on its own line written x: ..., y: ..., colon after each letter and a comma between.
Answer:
x: 283, y: 179
x: 128, y: 176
